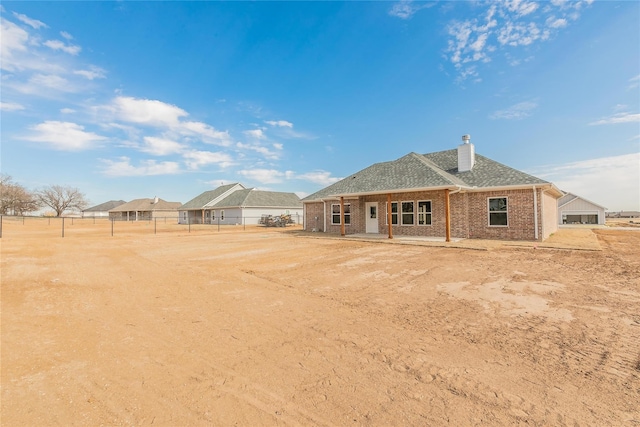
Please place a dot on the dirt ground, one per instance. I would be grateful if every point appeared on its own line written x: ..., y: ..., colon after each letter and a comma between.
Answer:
x: 262, y: 326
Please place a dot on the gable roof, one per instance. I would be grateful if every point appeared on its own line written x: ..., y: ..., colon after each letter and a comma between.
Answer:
x: 105, y: 206
x: 259, y: 199
x: 570, y: 197
x: 144, y: 205
x: 207, y: 197
x: 427, y: 171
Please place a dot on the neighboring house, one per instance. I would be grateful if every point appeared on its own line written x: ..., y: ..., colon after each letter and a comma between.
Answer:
x: 623, y: 214
x: 453, y: 193
x: 102, y: 210
x: 235, y: 204
x: 145, y: 210
x: 574, y: 209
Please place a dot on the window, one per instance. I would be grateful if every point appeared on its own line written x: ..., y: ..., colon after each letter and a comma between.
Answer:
x: 213, y: 215
x: 335, y: 214
x: 498, y: 211
x: 424, y: 212
x: 221, y: 215
x: 394, y: 214
x: 407, y: 213
x: 184, y: 215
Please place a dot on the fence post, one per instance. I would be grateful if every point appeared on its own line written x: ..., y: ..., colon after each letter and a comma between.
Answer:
x: 218, y: 223
x: 62, y: 226
x: 22, y: 219
x: 155, y: 225
x: 244, y: 224
x: 0, y: 226
x: 112, y: 220
x: 189, y: 221
x: 49, y: 221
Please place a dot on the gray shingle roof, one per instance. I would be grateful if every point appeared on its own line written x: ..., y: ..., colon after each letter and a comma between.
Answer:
x: 423, y: 171
x: 105, y: 206
x: 262, y: 199
x: 200, y: 201
x: 144, y: 205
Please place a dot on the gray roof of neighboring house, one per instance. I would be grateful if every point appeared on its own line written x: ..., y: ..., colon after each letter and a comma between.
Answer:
x: 200, y: 201
x: 103, y: 207
x: 422, y: 171
x: 144, y: 205
x: 250, y: 198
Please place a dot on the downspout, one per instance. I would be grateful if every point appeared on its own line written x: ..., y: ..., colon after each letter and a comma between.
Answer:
x: 535, y: 213
x: 324, y: 215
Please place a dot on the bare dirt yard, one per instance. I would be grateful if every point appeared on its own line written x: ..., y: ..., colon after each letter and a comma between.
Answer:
x: 265, y: 327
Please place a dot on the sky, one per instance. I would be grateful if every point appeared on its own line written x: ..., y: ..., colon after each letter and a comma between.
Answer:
x: 127, y: 100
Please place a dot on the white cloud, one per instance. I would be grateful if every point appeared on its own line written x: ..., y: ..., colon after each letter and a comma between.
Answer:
x: 264, y: 176
x: 59, y: 45
x: 160, y: 146
x: 146, y: 112
x: 255, y: 134
x: 554, y: 22
x: 64, y: 136
x: 195, y: 159
x: 279, y: 123
x: 51, y: 81
x: 521, y: 8
x: 505, y: 26
x: 618, y: 118
x: 515, y: 112
x: 30, y: 22
x: 92, y: 73
x: 208, y: 134
x: 405, y: 9
x: 634, y: 82
x: 10, y: 106
x: 321, y: 177
x: 67, y: 111
x: 66, y: 35
x: 14, y: 40
x: 123, y: 167
x: 613, y: 182
x: 265, y: 151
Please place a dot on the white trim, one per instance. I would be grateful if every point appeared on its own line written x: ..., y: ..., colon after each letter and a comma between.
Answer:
x: 489, y: 211
x: 386, y: 213
x: 430, y: 213
x: 413, y: 212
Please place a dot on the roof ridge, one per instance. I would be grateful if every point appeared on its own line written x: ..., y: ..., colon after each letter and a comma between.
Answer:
x: 446, y: 175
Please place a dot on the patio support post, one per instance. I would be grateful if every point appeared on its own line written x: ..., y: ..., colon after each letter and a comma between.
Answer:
x: 389, y: 215
x: 447, y: 214
x: 342, y: 232
x: 203, y: 216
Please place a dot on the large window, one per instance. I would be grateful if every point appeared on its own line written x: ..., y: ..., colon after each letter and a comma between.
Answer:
x: 335, y: 214
x: 407, y: 213
x: 424, y: 212
x: 498, y: 211
x: 394, y: 214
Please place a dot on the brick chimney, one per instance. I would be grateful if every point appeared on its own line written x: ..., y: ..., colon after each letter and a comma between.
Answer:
x: 466, y: 154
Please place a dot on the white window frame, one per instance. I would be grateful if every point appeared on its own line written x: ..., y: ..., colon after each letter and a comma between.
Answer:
x: 386, y: 217
x: 412, y: 213
x: 347, y: 214
x: 425, y: 214
x: 489, y: 211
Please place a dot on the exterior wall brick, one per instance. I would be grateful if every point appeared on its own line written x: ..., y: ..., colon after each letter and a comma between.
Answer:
x: 469, y: 215
x: 314, y: 216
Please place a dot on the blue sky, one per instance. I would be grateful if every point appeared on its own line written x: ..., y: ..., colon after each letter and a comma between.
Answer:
x: 127, y: 100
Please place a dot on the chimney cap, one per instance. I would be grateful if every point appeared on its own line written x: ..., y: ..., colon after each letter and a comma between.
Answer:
x: 466, y: 138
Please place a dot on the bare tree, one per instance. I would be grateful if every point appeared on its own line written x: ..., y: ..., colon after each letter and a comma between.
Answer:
x: 15, y: 199
x: 61, y: 198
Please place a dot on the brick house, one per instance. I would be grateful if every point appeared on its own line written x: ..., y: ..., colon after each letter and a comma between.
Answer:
x: 453, y: 193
